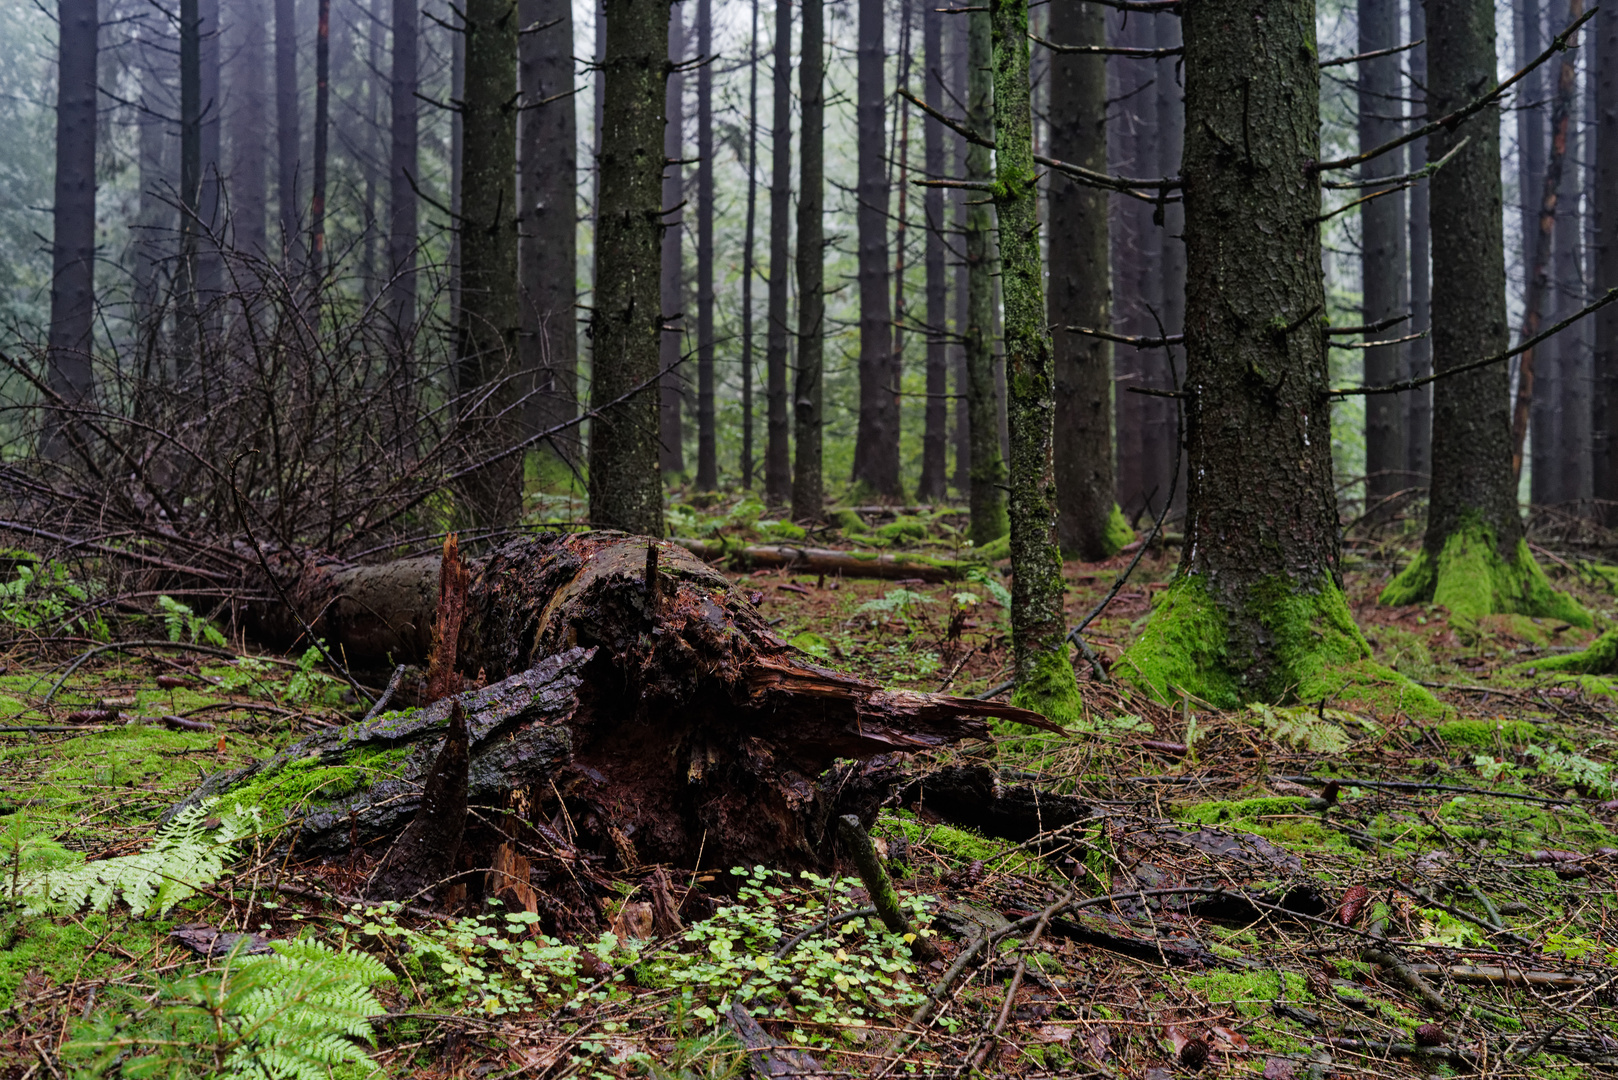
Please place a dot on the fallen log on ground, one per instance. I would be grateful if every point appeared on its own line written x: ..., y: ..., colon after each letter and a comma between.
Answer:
x: 812, y: 560
x: 637, y: 708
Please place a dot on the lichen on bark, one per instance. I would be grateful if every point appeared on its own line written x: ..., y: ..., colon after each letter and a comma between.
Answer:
x: 1045, y: 681
x: 986, y: 473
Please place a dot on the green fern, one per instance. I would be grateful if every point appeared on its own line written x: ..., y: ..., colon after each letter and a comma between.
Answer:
x: 290, y: 1015
x: 184, y: 624
x: 192, y: 851
x: 1306, y: 727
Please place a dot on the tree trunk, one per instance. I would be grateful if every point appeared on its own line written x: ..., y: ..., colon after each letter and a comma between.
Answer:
x: 777, y: 449
x: 403, y: 169
x: 935, y: 433
x: 1255, y: 610
x: 1419, y: 403
x: 250, y: 128
x: 1383, y: 260
x: 1474, y: 559
x: 1137, y: 262
x: 808, y: 487
x: 707, y: 437
x: 155, y: 224
x: 486, y: 372
x: 899, y: 160
x: 288, y: 144
x: 671, y: 714
x: 960, y: 33
x: 547, y: 341
x: 1088, y: 525
x: 626, y: 484
x: 1038, y: 628
x: 457, y: 165
x: 70, y: 374
x: 1572, y: 394
x: 987, y: 495
x: 1604, y: 125
x: 186, y: 315
x: 317, y: 199
x: 876, y: 443
x: 210, y: 201
x: 748, y: 264
x: 671, y: 428
x: 1164, y: 365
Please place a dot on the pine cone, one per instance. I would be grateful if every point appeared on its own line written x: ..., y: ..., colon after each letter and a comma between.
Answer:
x: 1194, y: 1054
x: 1319, y: 985
x: 1429, y: 1035
x: 1348, y: 912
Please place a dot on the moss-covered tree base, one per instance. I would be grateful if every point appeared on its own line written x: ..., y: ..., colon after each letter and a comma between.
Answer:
x: 1118, y: 531
x: 1472, y: 579
x: 1600, y: 657
x: 1316, y: 651
x: 1052, y: 690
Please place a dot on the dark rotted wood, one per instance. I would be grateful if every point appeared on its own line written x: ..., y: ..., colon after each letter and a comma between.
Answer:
x: 424, y: 855
x: 975, y: 796
x: 676, y: 718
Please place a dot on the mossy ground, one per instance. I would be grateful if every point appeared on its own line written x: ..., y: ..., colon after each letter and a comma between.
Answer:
x: 1504, y: 720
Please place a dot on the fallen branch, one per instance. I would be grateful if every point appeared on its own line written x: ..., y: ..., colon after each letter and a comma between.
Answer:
x: 809, y: 560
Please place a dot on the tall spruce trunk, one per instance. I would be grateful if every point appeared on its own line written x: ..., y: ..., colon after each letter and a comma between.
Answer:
x: 626, y: 483
x: 403, y: 168
x: 777, y: 445
x: 671, y: 428
x: 935, y: 432
x: 70, y: 375
x: 250, y: 128
x: 187, y: 333
x: 1570, y: 460
x: 317, y: 198
x: 210, y: 191
x: 808, y: 480
x: 1474, y: 559
x: 707, y: 436
x: 288, y: 141
x: 1385, y: 286
x: 1087, y: 525
x: 547, y: 248
x: 986, y: 496
x: 959, y: 33
x: 1166, y: 366
x: 748, y: 253
x: 1604, y: 126
x: 156, y: 218
x: 1043, y: 672
x: 1419, y: 403
x: 1137, y: 268
x: 1255, y: 610
x: 486, y: 339
x: 876, y: 441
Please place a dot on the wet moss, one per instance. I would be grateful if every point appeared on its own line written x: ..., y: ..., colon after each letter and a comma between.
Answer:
x: 1052, y: 690
x: 1316, y: 652
x: 850, y: 522
x: 903, y: 528
x: 1600, y: 657
x: 1472, y: 579
x: 285, y: 793
x: 1118, y: 532
x: 1487, y: 733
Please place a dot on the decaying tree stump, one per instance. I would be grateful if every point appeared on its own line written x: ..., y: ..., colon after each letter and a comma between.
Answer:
x: 656, y: 720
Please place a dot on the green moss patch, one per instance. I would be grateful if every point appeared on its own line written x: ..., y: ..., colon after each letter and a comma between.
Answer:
x: 1472, y: 579
x: 1118, y: 531
x: 1052, y: 690
x: 285, y: 793
x: 1599, y: 658
x: 1317, y: 652
x: 1487, y: 733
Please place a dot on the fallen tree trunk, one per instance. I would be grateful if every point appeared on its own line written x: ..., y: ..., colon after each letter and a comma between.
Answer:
x: 812, y: 560
x: 629, y: 714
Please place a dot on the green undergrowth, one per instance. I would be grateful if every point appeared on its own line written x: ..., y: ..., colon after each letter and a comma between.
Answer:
x: 1288, y: 821
x: 1471, y: 578
x: 1600, y: 657
x: 1318, y: 654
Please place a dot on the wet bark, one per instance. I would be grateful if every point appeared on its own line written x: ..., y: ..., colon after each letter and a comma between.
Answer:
x: 1604, y: 126
x: 155, y: 225
x: 777, y: 448
x: 210, y: 203
x: 707, y: 436
x: 1419, y: 403
x: 547, y: 252
x: 317, y: 198
x: 1471, y: 442
x: 186, y: 314
x: 1571, y: 457
x: 673, y: 717
x: 749, y: 266
x: 1038, y: 629
x: 626, y: 485
x: 961, y: 441
x: 986, y: 496
x: 250, y: 128
x: 671, y: 428
x: 1383, y: 262
x: 1080, y: 288
x: 288, y: 146
x: 808, y: 481
x: 935, y: 432
x: 486, y: 336
x: 403, y: 167
x: 69, y: 372
x: 876, y: 441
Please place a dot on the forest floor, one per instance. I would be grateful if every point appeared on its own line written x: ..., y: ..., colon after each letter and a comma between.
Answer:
x: 1263, y: 865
